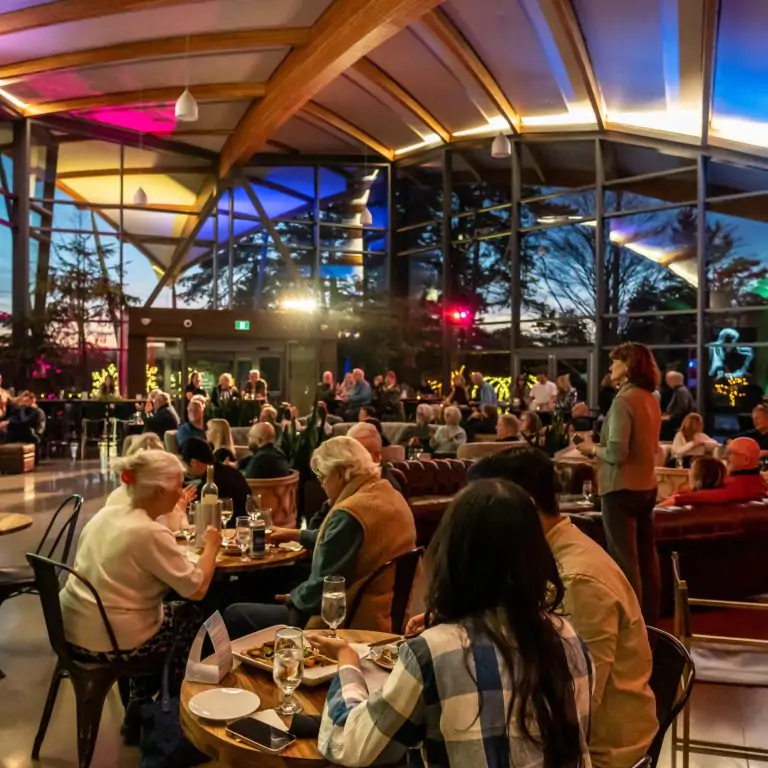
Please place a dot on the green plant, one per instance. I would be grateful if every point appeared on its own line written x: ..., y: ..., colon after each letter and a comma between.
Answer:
x: 299, y: 445
x: 556, y: 435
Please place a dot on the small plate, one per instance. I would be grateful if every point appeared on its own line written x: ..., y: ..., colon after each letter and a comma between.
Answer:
x: 380, y: 660
x: 291, y: 546
x: 224, y: 704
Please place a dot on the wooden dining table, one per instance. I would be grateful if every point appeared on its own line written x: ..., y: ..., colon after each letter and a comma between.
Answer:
x: 13, y: 523
x: 229, y: 560
x: 210, y: 737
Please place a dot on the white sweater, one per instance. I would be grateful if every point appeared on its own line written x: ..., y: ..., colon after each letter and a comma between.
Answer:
x: 700, y: 445
x: 132, y: 561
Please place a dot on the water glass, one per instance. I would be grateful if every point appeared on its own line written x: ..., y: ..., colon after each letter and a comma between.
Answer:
x: 288, y: 667
x: 187, y: 527
x: 227, y: 509
x: 586, y: 490
x: 679, y: 462
x: 266, y: 516
x: 243, y: 537
x: 334, y: 606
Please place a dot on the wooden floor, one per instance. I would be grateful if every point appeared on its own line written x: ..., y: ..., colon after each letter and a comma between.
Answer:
x: 726, y: 714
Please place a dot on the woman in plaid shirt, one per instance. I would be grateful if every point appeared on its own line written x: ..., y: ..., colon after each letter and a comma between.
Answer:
x: 498, y: 679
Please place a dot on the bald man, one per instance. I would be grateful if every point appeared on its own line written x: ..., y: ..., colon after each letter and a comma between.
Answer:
x: 368, y: 436
x: 267, y: 460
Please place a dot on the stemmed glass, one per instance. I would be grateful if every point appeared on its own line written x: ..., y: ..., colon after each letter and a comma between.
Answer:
x: 586, y: 491
x: 253, y: 505
x: 187, y: 526
x: 227, y: 510
x: 334, y: 606
x: 243, y: 536
x: 288, y: 667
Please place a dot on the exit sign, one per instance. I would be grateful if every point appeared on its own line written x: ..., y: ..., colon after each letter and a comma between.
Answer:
x: 242, y: 325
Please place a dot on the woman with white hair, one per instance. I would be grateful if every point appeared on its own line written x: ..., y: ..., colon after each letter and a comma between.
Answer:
x: 224, y: 391
x: 368, y: 524
x: 450, y: 435
x: 419, y: 434
x: 133, y: 562
x: 164, y: 416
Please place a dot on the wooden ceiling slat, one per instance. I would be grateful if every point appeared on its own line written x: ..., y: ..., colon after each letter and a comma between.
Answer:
x: 315, y: 110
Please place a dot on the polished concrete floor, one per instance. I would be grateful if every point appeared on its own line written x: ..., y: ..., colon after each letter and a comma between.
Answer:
x: 733, y: 715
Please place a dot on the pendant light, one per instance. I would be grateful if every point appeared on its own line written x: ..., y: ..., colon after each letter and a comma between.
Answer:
x: 186, y: 107
x: 140, y: 197
x: 501, y: 147
x: 366, y: 217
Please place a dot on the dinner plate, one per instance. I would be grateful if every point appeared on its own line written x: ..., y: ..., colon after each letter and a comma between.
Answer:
x: 224, y: 703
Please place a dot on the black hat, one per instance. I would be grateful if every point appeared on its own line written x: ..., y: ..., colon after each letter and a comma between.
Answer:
x: 196, y: 448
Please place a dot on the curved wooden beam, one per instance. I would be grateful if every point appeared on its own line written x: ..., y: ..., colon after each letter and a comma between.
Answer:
x: 367, y: 69
x: 64, y: 11
x: 446, y: 33
x: 344, y: 33
x: 324, y: 115
x: 165, y: 95
x: 236, y: 40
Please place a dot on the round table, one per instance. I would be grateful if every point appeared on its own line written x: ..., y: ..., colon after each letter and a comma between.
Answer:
x: 227, y: 562
x: 13, y: 523
x: 211, y: 739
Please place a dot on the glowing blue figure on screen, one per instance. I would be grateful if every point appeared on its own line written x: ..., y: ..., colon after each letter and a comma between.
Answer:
x: 728, y: 337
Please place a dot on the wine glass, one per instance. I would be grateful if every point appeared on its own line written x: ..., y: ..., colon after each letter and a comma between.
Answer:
x: 253, y: 505
x: 679, y: 462
x: 266, y: 514
x: 288, y: 667
x: 334, y: 606
x: 187, y: 526
x: 227, y: 510
x: 586, y: 491
x: 243, y: 536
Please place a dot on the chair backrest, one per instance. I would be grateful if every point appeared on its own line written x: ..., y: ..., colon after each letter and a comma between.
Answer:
x: 170, y: 442
x: 682, y: 617
x: 646, y: 762
x: 671, y: 682
x: 279, y: 495
x: 478, y: 450
x: 67, y: 530
x: 405, y: 566
x: 47, y: 585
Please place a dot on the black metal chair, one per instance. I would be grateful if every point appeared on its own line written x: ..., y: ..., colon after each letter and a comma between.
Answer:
x: 671, y: 682
x: 92, y: 681
x: 405, y: 566
x: 646, y: 762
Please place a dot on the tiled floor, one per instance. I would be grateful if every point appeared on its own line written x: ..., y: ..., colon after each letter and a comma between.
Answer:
x: 735, y: 715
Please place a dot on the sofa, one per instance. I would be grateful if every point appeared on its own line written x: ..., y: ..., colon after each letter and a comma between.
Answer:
x: 393, y: 430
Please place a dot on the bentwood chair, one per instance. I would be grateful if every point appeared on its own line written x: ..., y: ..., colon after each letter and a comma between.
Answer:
x: 720, y: 659
x: 404, y: 567
x: 91, y: 680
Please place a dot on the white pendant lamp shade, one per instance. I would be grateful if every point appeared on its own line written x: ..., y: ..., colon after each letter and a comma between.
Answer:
x: 501, y: 146
x: 186, y: 107
x: 366, y: 218
x: 140, y: 197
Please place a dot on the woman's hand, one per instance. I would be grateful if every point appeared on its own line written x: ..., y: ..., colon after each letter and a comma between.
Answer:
x: 328, y: 646
x: 211, y: 538
x: 586, y: 448
x: 279, y: 535
x: 188, y: 495
x: 416, y: 624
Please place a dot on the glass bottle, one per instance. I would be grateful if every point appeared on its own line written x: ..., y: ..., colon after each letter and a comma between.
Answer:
x: 209, y: 505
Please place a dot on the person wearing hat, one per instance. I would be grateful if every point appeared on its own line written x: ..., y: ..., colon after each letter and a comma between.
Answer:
x: 744, y: 481
x: 197, y: 455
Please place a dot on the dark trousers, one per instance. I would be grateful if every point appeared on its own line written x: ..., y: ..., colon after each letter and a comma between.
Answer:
x: 628, y: 524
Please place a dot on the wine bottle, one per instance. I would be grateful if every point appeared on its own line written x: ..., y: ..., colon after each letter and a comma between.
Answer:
x: 209, y: 497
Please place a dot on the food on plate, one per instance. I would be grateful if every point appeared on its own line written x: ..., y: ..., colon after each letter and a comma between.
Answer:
x: 266, y: 652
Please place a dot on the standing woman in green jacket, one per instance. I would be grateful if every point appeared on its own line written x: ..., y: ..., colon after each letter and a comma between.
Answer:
x: 626, y: 476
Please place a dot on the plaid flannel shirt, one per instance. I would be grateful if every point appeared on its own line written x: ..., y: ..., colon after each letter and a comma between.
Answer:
x: 432, y: 700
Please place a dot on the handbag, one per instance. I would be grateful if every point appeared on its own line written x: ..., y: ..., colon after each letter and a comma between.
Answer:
x: 163, y: 744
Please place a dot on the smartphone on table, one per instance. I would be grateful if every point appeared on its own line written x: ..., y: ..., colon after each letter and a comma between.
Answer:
x: 578, y: 439
x: 260, y: 735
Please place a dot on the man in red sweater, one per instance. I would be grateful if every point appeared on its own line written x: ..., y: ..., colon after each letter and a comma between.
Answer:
x: 744, y: 481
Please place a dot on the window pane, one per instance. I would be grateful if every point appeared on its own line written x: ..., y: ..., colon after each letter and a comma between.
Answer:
x: 651, y: 329
x: 556, y: 210
x: 560, y: 331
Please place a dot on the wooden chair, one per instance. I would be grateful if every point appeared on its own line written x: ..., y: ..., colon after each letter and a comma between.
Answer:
x: 704, y: 649
x: 405, y: 567
x: 91, y: 680
x: 279, y: 495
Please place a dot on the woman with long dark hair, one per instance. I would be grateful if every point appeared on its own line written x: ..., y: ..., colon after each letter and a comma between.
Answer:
x: 626, y: 478
x: 497, y: 678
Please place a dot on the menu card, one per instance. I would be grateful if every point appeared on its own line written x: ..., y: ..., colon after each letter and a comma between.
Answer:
x: 199, y: 672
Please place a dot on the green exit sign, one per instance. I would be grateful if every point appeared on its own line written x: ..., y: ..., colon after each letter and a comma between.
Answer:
x: 242, y: 325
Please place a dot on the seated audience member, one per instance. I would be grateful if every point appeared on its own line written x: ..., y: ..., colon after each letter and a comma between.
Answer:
x: 566, y: 397
x: 744, y: 481
x: 133, y: 562
x: 325, y: 392
x: 760, y: 421
x: 604, y: 611
x: 521, y: 392
x: 706, y: 473
x: 5, y: 398
x: 543, y: 393
x: 376, y: 424
x: 197, y: 456
x: 108, y: 390
x: 449, y: 436
x: 484, y: 392
x: 498, y: 677
x: 267, y: 461
x: 419, y: 434
x: 25, y: 420
x: 508, y: 428
x: 255, y: 388
x: 366, y: 412
x: 390, y: 400
x: 368, y: 523
x: 194, y: 389
x: 530, y: 428
x: 361, y: 394
x: 681, y: 402
x: 345, y: 386
x: 370, y: 437
x: 691, y: 440
x: 194, y: 426
x: 458, y: 394
x: 224, y: 391
x: 425, y: 389
x: 219, y: 437
x: 580, y: 418
x: 268, y: 415
x: 482, y: 422
x: 163, y: 417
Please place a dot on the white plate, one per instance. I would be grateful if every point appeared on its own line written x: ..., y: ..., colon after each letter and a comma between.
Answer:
x: 291, y: 546
x: 224, y: 703
x: 312, y: 676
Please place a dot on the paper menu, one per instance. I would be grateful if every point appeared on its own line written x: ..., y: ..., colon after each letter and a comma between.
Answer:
x: 199, y: 672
